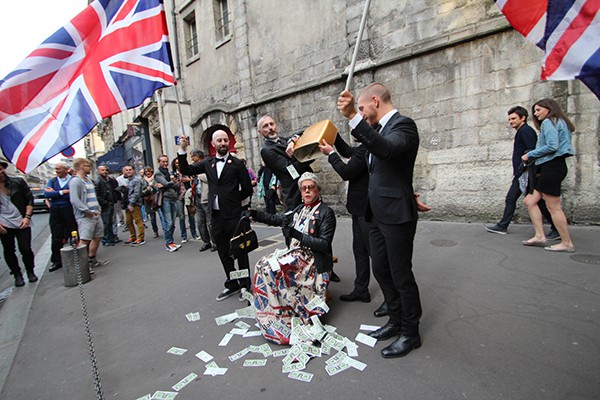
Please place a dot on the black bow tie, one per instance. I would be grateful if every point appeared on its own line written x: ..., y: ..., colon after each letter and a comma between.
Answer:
x: 220, y: 159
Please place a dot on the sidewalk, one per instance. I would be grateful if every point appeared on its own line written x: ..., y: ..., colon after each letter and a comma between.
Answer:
x: 500, y: 320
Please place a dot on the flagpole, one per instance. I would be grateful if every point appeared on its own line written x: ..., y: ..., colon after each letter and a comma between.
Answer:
x: 179, y: 109
x: 363, y: 22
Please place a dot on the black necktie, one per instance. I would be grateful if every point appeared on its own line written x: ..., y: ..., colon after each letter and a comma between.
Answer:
x: 377, y: 127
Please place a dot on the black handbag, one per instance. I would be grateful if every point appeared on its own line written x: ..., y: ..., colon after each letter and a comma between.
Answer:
x: 244, y: 241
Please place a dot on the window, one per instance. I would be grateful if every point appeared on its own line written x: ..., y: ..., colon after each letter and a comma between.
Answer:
x: 191, y: 35
x: 222, y: 17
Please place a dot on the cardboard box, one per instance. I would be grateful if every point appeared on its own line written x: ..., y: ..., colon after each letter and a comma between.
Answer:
x: 307, y: 147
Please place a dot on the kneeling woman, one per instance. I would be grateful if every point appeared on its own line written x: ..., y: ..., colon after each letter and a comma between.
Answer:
x: 293, y: 284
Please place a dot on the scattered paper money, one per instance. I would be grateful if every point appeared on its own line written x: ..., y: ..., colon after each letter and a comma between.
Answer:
x: 215, y: 371
x: 370, y: 328
x: 280, y: 353
x: 336, y: 359
x: 185, y: 381
x: 334, y: 369
x: 366, y: 339
x: 146, y: 397
x: 224, y: 319
x: 204, y: 356
x: 212, y: 364
x: 246, y: 295
x: 292, y: 367
x: 162, y: 395
x: 238, y: 331
x: 274, y: 264
x: 352, y: 348
x: 329, y: 328
x: 252, y: 333
x: 246, y: 312
x: 225, y: 339
x: 242, y: 325
x: 355, y: 363
x: 255, y: 363
x: 239, y: 274
x: 176, y: 350
x: 301, y: 376
x: 192, y: 317
x: 239, y: 354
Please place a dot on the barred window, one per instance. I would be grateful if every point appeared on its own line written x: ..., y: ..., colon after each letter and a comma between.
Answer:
x: 191, y: 35
x: 222, y: 19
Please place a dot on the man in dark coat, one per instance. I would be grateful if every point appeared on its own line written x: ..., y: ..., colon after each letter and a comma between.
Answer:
x: 16, y: 208
x: 277, y: 153
x: 228, y: 184
x: 391, y: 209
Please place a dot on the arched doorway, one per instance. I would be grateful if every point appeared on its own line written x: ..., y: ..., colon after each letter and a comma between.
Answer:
x: 207, y: 138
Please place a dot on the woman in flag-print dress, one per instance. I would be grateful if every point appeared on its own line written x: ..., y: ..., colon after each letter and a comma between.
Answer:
x: 285, y: 285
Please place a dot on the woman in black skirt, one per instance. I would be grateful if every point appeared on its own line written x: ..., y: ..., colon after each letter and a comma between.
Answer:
x: 552, y: 148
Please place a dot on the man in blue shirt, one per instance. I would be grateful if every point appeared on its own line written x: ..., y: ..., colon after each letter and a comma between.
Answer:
x: 62, y: 220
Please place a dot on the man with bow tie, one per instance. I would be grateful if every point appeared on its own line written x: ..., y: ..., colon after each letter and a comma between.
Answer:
x: 277, y: 154
x: 228, y: 184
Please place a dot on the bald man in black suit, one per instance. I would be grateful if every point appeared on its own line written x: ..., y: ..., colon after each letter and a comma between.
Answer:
x: 392, y: 209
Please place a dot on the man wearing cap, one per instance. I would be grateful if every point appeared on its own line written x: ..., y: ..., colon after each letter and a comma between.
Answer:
x: 16, y: 209
x: 228, y: 184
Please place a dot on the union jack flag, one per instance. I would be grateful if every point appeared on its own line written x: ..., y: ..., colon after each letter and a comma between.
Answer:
x: 109, y: 58
x: 567, y: 30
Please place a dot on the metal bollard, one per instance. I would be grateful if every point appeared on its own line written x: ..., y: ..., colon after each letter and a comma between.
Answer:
x: 67, y: 254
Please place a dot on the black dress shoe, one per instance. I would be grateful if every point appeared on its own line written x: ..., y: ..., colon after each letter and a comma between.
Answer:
x: 355, y: 296
x: 334, y: 277
x: 19, y: 281
x: 382, y: 311
x: 387, y: 331
x: 205, y: 247
x: 32, y: 277
x: 55, y: 267
x: 401, y: 346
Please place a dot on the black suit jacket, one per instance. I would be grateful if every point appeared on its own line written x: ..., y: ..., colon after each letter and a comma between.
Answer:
x: 232, y: 186
x: 355, y: 171
x: 277, y: 160
x: 394, y: 151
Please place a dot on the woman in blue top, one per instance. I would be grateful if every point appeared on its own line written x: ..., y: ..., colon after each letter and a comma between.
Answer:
x: 552, y: 148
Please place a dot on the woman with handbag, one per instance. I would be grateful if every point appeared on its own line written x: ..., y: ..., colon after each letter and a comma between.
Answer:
x: 293, y: 283
x: 552, y: 149
x: 148, y: 196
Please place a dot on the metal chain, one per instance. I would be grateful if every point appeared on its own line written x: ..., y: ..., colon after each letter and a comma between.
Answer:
x: 88, y: 330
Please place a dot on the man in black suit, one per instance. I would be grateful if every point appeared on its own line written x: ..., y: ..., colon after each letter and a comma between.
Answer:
x: 391, y: 209
x: 277, y: 154
x: 228, y: 184
x: 357, y: 175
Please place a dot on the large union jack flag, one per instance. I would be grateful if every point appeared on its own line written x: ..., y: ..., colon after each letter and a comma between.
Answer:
x: 567, y: 30
x: 109, y: 58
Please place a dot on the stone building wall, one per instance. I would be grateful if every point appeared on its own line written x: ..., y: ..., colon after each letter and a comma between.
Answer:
x: 455, y: 67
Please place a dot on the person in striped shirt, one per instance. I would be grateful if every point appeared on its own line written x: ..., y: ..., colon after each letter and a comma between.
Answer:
x: 87, y: 210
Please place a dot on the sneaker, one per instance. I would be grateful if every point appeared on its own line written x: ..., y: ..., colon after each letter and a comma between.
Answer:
x: 116, y: 241
x: 496, y: 229
x: 553, y: 235
x: 171, y: 247
x: 227, y: 293
x: 96, y: 262
x: 128, y: 241
x: 183, y: 241
x: 197, y: 238
x: 91, y: 270
x: 138, y: 242
x: 155, y: 234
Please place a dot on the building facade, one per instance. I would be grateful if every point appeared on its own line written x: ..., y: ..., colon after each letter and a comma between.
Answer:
x: 455, y: 67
